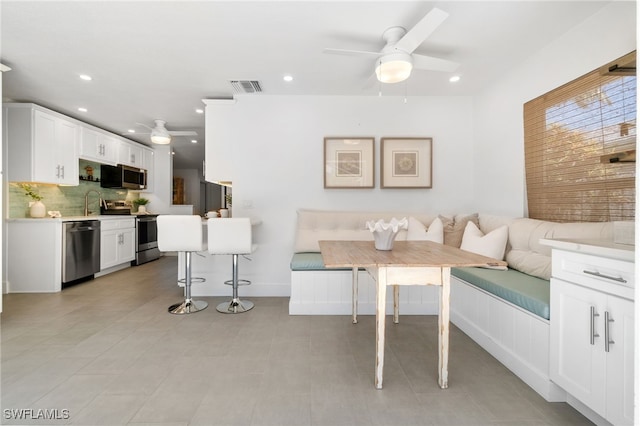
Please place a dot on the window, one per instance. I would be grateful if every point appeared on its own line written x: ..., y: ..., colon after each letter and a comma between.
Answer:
x: 580, y: 142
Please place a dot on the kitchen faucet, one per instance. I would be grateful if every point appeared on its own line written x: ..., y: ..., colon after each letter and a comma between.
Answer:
x: 86, y: 201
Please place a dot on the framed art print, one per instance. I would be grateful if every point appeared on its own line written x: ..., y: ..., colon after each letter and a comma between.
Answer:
x: 349, y: 162
x: 405, y: 162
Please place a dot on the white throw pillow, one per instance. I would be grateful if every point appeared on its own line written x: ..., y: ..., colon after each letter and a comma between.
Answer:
x: 491, y: 245
x: 418, y: 232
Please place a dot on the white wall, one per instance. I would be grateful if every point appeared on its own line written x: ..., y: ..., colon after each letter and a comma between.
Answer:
x: 497, y: 113
x: 275, y: 150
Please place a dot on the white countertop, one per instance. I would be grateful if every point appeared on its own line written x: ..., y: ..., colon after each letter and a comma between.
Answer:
x: 602, y: 248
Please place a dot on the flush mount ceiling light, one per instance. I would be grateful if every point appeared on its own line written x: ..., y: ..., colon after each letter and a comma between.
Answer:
x: 394, y: 67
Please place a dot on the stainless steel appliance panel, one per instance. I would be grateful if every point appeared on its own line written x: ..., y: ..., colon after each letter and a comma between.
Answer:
x: 146, y: 239
x: 80, y: 249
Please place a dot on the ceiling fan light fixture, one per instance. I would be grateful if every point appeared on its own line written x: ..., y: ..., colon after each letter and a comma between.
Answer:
x: 394, y: 67
x: 160, y: 135
x: 161, y: 139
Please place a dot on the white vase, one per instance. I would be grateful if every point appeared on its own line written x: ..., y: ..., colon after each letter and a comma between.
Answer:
x: 37, y: 209
x: 142, y: 209
x: 383, y: 239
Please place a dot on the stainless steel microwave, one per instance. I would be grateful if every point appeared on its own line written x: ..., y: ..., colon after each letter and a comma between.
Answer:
x: 122, y: 176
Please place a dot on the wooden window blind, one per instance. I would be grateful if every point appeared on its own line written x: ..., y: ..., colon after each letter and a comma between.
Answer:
x: 580, y: 142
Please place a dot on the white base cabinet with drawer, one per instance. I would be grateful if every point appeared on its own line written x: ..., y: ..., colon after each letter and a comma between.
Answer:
x: 117, y: 242
x: 591, y: 332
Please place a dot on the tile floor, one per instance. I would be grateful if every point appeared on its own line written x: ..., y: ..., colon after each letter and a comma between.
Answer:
x: 107, y: 352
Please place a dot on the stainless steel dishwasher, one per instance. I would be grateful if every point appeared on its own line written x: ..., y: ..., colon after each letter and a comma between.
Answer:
x: 80, y: 250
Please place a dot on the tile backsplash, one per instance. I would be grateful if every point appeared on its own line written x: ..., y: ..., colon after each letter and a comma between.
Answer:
x: 68, y: 200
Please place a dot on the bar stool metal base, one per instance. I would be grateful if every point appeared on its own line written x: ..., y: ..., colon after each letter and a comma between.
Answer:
x: 188, y: 306
x: 235, y: 306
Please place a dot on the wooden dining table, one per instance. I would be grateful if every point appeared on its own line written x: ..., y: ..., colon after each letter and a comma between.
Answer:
x: 407, y: 263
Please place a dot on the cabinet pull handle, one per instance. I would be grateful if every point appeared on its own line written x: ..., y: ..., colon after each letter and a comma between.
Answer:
x: 592, y: 325
x: 599, y: 275
x: 62, y: 172
x: 58, y: 171
x: 607, y: 334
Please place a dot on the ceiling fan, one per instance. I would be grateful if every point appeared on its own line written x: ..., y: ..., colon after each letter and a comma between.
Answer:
x: 161, y: 136
x: 396, y: 59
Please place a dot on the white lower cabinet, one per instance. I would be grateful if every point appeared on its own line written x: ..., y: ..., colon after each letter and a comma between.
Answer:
x: 117, y: 242
x: 591, y: 332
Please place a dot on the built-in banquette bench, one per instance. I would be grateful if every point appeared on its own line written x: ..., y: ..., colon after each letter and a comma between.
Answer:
x: 504, y: 311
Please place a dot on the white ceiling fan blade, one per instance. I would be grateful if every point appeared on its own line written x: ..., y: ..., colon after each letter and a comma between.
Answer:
x: 430, y: 63
x: 134, y: 133
x: 144, y: 125
x: 182, y: 133
x: 349, y: 52
x: 423, y: 29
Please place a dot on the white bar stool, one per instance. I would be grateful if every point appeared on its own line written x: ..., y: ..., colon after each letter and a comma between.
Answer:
x: 183, y: 233
x: 232, y: 236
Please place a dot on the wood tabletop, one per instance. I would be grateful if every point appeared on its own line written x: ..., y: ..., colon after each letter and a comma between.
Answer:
x: 349, y: 254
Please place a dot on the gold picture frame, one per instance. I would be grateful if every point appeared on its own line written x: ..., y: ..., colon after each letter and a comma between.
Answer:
x: 349, y: 162
x: 406, y: 162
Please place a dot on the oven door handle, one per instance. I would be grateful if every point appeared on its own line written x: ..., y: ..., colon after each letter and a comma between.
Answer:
x: 146, y: 219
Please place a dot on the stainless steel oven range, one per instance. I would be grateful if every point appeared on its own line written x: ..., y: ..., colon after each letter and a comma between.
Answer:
x: 146, y: 239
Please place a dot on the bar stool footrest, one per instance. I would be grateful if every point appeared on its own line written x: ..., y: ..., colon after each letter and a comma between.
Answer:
x: 240, y: 282
x: 193, y: 280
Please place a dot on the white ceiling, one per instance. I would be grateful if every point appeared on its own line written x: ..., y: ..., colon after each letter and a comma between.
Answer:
x: 158, y: 59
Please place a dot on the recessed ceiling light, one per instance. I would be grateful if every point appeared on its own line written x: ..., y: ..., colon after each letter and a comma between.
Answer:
x: 131, y: 131
x: 194, y: 141
x: 287, y: 78
x: 454, y: 79
x: 85, y: 77
x: 199, y: 111
x: 82, y: 109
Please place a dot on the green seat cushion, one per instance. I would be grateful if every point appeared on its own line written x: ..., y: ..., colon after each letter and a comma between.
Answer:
x: 310, y: 262
x: 528, y: 292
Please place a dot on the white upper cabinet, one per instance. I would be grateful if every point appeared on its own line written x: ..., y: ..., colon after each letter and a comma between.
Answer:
x: 98, y: 146
x: 42, y: 146
x: 130, y: 154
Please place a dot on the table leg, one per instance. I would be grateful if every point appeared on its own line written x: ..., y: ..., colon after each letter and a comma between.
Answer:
x: 396, y: 304
x: 443, y: 327
x: 381, y: 297
x: 354, y: 296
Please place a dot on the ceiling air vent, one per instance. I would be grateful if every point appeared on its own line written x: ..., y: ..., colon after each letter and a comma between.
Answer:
x: 246, y: 86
